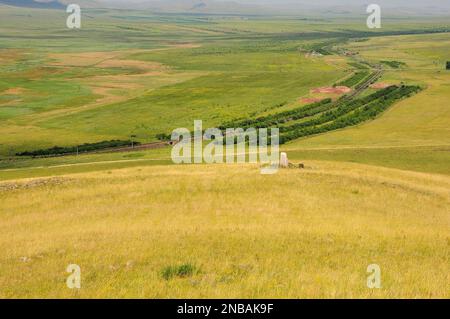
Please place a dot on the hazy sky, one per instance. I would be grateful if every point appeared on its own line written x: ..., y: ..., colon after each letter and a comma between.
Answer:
x: 425, y: 3
x: 353, y: 2
x: 297, y: 6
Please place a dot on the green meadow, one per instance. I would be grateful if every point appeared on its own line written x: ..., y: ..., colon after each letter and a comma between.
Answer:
x: 65, y: 87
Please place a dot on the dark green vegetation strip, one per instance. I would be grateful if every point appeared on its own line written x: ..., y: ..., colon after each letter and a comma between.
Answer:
x: 394, y: 64
x: 281, y: 118
x: 359, y: 65
x: 341, y: 110
x: 328, y: 116
x: 349, y: 113
x: 355, y: 79
x: 84, y: 148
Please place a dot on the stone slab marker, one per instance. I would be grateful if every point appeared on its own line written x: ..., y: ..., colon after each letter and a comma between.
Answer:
x: 284, y: 162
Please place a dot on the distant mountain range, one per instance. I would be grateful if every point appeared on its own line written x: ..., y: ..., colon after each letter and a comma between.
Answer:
x: 193, y: 6
x: 329, y: 7
x: 51, y: 4
x: 33, y: 4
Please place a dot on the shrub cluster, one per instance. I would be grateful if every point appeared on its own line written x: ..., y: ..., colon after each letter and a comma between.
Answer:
x: 163, y: 137
x: 182, y: 271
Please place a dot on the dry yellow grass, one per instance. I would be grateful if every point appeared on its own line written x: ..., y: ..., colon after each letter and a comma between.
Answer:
x: 300, y: 233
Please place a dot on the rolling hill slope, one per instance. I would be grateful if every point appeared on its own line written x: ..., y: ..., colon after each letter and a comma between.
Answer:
x: 312, y: 234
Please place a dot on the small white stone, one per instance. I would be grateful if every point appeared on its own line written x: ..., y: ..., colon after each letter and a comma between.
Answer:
x: 284, y: 162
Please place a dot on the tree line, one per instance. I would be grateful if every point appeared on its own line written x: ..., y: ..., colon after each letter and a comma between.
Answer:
x: 349, y: 114
x: 84, y: 148
x: 355, y: 79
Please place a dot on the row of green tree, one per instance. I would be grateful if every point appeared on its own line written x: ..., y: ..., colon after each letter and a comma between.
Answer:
x: 359, y: 65
x: 84, y: 148
x: 345, y: 113
x: 331, y: 115
x: 355, y: 79
x: 280, y: 118
x: 341, y: 110
x: 356, y: 116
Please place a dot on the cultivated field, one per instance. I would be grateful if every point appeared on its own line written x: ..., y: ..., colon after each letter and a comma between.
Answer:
x: 367, y: 112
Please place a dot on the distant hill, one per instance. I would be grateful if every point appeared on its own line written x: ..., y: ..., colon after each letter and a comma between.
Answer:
x: 186, y: 6
x: 49, y: 4
x: 293, y: 7
x: 327, y: 7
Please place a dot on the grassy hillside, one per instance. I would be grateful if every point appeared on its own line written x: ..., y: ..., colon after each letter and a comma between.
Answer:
x: 312, y: 234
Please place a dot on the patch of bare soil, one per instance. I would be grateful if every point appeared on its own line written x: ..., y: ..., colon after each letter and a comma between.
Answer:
x: 14, y: 91
x: 332, y: 90
x: 380, y: 85
x: 311, y: 99
x: 186, y: 46
x: 96, y: 58
x: 105, y: 85
x: 80, y: 59
x: 10, y: 55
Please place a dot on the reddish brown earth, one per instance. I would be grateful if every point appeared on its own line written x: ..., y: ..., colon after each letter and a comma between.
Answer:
x: 332, y: 90
x: 311, y: 99
x: 380, y: 85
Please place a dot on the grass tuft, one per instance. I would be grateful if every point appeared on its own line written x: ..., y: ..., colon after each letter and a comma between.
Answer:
x: 182, y: 271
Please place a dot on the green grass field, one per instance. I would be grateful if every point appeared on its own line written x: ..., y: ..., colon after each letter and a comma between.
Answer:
x: 376, y: 192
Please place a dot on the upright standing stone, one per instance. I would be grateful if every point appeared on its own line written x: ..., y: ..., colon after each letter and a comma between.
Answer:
x: 284, y: 162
